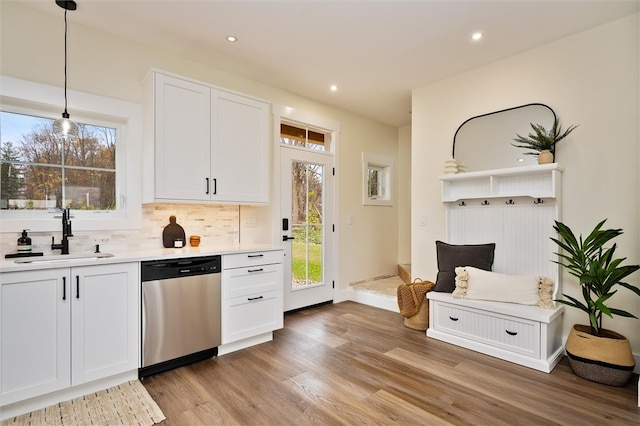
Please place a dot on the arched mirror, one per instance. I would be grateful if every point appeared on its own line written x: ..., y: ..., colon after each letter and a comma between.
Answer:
x: 484, y: 142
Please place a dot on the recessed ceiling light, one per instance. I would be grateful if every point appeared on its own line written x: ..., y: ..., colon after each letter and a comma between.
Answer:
x: 333, y: 88
x: 232, y: 39
x: 476, y: 36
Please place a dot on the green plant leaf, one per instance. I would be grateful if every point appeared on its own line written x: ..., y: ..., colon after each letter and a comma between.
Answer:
x: 622, y: 313
x: 541, y: 139
x: 573, y: 302
x: 633, y: 288
x: 597, y: 269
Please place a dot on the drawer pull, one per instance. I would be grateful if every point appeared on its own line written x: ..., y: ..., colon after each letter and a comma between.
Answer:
x: 255, y: 298
x: 453, y: 319
x: 255, y: 270
x: 511, y: 333
x: 255, y: 255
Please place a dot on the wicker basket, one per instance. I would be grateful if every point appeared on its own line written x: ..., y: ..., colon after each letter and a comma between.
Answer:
x: 607, y: 360
x: 413, y: 304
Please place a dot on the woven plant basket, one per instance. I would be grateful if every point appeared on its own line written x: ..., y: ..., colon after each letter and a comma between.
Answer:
x: 419, y: 321
x: 413, y: 304
x: 603, y: 359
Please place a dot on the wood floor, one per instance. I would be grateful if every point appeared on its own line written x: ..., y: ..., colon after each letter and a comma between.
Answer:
x: 354, y: 364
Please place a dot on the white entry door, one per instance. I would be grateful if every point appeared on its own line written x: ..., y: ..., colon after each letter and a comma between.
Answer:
x: 307, y: 226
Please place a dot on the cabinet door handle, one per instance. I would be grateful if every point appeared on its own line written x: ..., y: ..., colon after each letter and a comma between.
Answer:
x: 511, y: 333
x: 255, y: 270
x: 64, y: 288
x: 77, y: 286
x: 215, y: 186
x: 255, y: 298
x: 453, y: 319
x: 207, y: 180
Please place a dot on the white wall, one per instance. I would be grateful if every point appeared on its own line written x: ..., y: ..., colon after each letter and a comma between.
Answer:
x: 591, y: 79
x: 404, y: 194
x: 31, y: 49
x: 370, y: 242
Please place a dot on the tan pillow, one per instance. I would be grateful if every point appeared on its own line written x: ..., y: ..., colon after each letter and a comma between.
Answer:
x: 477, y: 284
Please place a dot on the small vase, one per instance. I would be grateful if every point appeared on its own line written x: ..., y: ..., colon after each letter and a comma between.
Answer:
x: 605, y: 359
x: 545, y: 157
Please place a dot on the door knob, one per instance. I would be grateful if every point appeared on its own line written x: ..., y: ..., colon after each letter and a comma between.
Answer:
x: 286, y: 238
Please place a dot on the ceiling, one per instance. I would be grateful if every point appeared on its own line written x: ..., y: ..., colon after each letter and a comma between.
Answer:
x: 376, y: 52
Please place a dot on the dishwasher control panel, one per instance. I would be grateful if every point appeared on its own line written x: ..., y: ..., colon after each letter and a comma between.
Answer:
x: 183, y: 267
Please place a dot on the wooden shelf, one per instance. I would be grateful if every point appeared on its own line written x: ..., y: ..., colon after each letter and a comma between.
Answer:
x: 541, y: 181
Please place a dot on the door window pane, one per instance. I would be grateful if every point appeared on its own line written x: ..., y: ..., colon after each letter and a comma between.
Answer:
x: 307, y: 223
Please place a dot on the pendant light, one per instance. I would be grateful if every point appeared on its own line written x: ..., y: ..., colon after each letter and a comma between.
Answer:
x: 65, y: 127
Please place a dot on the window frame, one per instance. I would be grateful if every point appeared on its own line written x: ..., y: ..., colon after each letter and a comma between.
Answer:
x: 384, y: 166
x: 306, y: 143
x: 42, y: 100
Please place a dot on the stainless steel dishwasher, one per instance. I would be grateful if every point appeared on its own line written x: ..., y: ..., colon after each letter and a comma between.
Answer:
x: 180, y: 312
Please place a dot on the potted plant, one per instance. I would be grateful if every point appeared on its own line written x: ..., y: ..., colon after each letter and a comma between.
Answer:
x: 595, y: 353
x: 543, y: 142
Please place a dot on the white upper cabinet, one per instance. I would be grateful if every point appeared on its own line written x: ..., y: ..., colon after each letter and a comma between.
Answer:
x: 204, y: 143
x: 182, y: 139
x: 240, y: 148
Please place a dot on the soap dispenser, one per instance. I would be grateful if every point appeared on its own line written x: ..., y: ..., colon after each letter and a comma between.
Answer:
x: 24, y: 243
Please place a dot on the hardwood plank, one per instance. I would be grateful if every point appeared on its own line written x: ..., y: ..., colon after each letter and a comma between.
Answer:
x: 349, y: 363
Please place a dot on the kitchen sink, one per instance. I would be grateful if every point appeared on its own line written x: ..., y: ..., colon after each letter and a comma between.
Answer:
x: 63, y: 257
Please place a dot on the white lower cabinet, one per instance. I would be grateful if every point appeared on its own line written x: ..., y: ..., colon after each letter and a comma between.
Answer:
x: 252, y: 300
x: 65, y: 327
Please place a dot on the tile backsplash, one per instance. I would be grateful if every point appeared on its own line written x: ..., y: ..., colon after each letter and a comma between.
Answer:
x: 217, y: 225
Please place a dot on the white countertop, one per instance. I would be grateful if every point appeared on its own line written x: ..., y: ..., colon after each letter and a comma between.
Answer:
x: 9, y: 265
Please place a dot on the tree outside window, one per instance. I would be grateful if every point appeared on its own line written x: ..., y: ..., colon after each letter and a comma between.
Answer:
x: 41, y: 171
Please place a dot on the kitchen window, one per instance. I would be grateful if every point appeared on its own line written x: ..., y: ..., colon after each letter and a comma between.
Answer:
x: 96, y: 175
x: 41, y: 171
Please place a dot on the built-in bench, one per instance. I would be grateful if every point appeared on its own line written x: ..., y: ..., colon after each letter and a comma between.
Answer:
x: 515, y: 209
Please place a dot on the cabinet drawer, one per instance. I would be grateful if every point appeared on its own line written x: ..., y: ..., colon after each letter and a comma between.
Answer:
x: 251, y: 315
x: 251, y: 259
x: 251, y: 279
x: 503, y: 331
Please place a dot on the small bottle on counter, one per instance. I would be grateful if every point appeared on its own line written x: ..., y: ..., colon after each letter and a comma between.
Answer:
x: 24, y: 243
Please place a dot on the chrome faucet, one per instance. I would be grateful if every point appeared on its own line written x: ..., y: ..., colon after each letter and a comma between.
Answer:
x: 66, y: 233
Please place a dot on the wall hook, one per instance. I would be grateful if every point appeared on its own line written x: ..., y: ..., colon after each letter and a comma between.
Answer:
x: 484, y: 203
x: 510, y: 202
x: 538, y: 201
x: 462, y: 203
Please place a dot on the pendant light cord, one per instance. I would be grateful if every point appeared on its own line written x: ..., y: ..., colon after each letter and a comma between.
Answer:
x: 65, y: 61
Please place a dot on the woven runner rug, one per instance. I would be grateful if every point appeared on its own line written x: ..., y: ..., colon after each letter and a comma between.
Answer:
x: 126, y: 404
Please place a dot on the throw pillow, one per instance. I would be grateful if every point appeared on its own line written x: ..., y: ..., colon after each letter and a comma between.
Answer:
x: 451, y: 256
x: 473, y: 283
